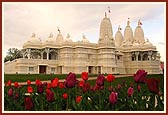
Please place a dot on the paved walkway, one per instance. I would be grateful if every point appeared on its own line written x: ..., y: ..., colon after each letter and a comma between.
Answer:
x: 62, y: 80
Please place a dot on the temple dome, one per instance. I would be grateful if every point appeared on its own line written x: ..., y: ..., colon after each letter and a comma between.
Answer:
x: 139, y: 34
x: 68, y: 39
x: 50, y: 39
x: 148, y: 43
x: 118, y: 37
x: 136, y: 44
x: 84, y: 39
x: 34, y: 39
x: 59, y: 38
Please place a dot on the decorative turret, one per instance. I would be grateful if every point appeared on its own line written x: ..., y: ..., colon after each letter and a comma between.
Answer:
x: 50, y: 39
x: 84, y: 39
x: 106, y: 33
x: 139, y: 34
x: 34, y: 39
x: 68, y: 39
x: 118, y: 37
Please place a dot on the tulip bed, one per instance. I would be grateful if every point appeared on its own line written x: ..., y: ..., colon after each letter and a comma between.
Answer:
x: 141, y: 92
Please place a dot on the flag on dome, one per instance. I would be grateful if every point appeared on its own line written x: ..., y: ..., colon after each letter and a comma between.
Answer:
x: 109, y: 9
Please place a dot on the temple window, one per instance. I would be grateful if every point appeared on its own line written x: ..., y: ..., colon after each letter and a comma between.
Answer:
x: 139, y: 58
x: 31, y: 68
x: 44, y: 55
x: 52, y: 69
x: 145, y: 57
x: 133, y: 57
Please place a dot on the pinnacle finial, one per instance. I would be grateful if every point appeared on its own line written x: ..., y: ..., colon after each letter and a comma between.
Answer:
x: 33, y: 35
x: 128, y: 22
x: 119, y: 28
x: 105, y: 15
x: 59, y: 30
x: 139, y: 22
x: 51, y: 35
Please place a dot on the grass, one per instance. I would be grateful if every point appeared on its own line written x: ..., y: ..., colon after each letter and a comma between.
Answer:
x: 33, y: 77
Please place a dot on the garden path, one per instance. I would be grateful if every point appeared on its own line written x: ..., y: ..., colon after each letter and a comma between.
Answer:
x: 62, y: 80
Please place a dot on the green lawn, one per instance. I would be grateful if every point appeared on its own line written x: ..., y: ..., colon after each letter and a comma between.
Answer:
x: 33, y: 77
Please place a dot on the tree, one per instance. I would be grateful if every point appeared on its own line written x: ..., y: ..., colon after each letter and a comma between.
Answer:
x: 13, y: 53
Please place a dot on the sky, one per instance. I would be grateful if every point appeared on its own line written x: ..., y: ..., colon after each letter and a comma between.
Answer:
x: 22, y: 19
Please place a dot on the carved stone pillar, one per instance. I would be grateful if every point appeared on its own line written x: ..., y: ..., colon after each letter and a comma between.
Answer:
x: 150, y: 55
x: 28, y: 53
x: 136, y: 53
x: 47, y: 51
x: 41, y: 55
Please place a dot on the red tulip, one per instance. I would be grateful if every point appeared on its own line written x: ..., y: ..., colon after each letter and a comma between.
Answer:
x: 78, y: 99
x: 139, y: 87
x: 119, y: 86
x: 110, y: 78
x: 28, y: 103
x: 29, y: 89
x: 55, y: 82
x: 40, y: 88
x: 9, y: 83
x: 70, y: 80
x: 65, y: 95
x: 38, y: 82
x: 49, y: 95
x: 16, y: 84
x: 48, y: 85
x: 153, y: 85
x: 100, y: 80
x: 113, y: 97
x: 10, y: 92
x: 61, y: 85
x: 28, y: 82
x: 81, y: 83
x: 16, y: 95
x: 130, y: 91
x: 85, y: 76
x: 86, y: 87
x: 140, y: 76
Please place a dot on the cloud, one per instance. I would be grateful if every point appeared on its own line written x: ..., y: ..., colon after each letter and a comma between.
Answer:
x: 22, y: 19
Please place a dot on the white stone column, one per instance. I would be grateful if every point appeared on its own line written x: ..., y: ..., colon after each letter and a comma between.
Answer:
x: 149, y: 55
x: 28, y: 53
x: 136, y: 53
x: 41, y: 55
x: 47, y: 51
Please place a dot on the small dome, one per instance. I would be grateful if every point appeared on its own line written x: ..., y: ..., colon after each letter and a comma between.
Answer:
x: 84, y: 39
x: 68, y: 39
x: 148, y: 43
x: 59, y: 38
x: 50, y: 39
x: 34, y: 39
x: 135, y: 44
x: 139, y: 34
x: 118, y: 38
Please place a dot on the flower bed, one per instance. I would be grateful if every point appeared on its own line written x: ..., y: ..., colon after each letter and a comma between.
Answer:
x: 143, y: 94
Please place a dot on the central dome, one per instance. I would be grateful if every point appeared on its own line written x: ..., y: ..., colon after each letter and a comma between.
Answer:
x: 118, y: 37
x: 106, y: 31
